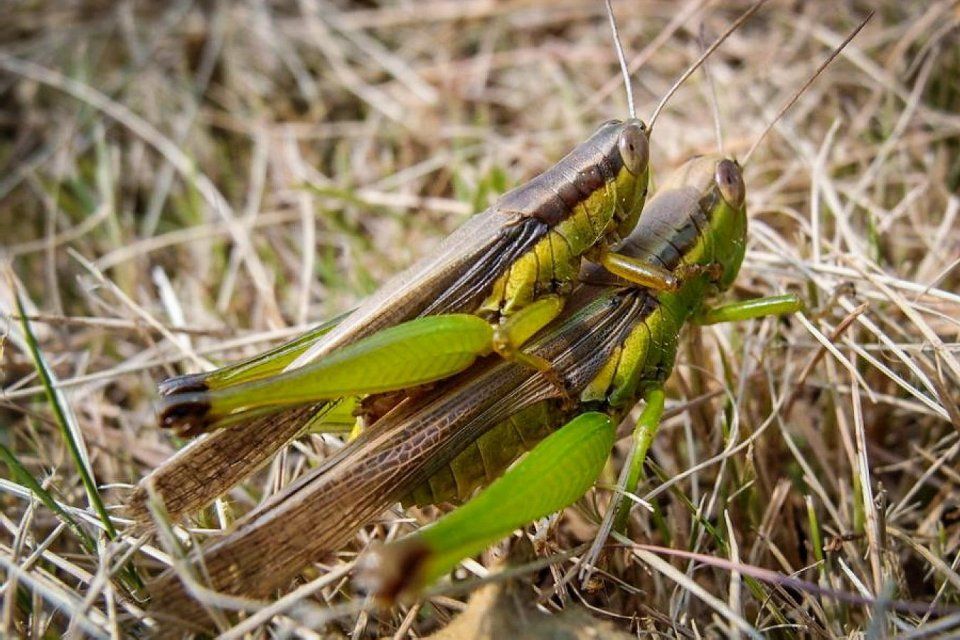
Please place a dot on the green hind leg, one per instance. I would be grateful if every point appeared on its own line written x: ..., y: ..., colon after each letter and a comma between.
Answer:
x: 414, y: 353
x: 553, y: 475
x: 406, y: 355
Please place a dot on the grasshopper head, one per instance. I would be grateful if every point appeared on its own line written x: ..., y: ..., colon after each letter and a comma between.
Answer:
x: 727, y: 217
x: 716, y: 184
x: 633, y: 146
x: 697, y: 217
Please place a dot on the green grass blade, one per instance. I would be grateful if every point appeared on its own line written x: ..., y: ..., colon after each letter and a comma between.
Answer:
x: 65, y: 420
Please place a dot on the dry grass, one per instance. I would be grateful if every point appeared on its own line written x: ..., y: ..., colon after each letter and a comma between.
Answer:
x: 186, y: 184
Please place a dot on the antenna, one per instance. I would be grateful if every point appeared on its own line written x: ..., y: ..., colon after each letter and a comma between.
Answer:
x: 712, y: 88
x: 686, y: 74
x: 631, y: 109
x: 796, y: 96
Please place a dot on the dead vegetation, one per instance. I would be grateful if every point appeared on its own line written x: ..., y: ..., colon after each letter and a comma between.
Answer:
x: 185, y: 183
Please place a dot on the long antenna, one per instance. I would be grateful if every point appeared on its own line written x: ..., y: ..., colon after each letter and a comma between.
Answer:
x: 631, y: 109
x: 716, y: 43
x: 796, y: 96
x: 712, y: 87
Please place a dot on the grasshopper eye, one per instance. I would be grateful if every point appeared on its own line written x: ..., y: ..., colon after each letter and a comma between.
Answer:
x: 634, y: 147
x: 729, y: 180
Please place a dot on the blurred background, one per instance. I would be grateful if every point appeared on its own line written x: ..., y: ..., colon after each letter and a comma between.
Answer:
x: 185, y: 183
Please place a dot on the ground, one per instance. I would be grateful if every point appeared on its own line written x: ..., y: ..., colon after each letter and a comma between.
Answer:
x: 182, y: 184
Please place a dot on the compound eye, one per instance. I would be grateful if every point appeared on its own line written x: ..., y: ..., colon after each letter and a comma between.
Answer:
x: 634, y: 147
x: 729, y: 180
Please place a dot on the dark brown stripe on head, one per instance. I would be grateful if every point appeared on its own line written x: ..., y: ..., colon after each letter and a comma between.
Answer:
x: 589, y: 180
x: 610, y: 164
x: 569, y: 194
x: 551, y: 210
x: 553, y: 195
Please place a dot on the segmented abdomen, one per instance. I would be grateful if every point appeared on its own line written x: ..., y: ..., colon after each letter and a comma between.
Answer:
x: 487, y: 457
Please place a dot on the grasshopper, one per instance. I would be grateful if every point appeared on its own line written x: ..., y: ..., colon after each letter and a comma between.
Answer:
x: 616, y: 345
x: 361, y: 359
x: 698, y: 217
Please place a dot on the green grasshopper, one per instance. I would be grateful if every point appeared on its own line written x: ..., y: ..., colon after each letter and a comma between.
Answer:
x: 405, y: 355
x: 698, y: 217
x: 617, y: 344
